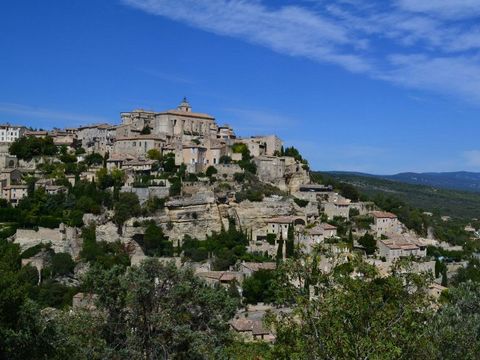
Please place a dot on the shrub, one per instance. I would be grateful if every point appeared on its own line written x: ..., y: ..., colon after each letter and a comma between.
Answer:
x: 62, y: 264
x: 300, y: 202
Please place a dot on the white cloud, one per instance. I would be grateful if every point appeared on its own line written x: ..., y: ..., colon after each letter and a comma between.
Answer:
x: 290, y: 30
x: 413, y: 43
x: 48, y: 114
x: 451, y: 9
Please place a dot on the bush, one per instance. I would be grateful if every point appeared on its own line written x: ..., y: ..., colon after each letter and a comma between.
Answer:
x: 211, y: 170
x: 300, y: 202
x: 259, y: 287
x: 369, y: 243
x: 62, y: 264
x: 239, y: 177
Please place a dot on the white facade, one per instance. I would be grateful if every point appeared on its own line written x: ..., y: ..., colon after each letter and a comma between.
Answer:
x: 10, y: 133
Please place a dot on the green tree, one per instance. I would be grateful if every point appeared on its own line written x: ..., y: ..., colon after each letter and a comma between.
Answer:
x: 454, y: 330
x: 259, y: 287
x: 125, y: 207
x: 94, y: 159
x: 154, y: 154
x: 367, y: 317
x: 62, y: 264
x: 290, y: 243
x: 156, y: 311
x: 369, y: 243
x: 155, y: 242
x: 211, y: 170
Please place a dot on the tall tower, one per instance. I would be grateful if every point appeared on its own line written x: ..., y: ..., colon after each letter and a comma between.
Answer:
x: 185, y: 106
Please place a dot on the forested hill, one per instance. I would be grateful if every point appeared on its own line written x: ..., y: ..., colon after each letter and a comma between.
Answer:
x: 462, y: 204
x: 459, y: 180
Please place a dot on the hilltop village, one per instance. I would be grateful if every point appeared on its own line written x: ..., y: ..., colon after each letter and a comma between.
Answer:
x: 177, y: 186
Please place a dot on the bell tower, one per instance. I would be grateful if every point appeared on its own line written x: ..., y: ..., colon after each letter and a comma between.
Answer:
x: 184, y: 105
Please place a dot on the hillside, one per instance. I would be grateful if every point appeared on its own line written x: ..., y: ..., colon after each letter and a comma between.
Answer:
x: 459, y: 180
x: 454, y: 203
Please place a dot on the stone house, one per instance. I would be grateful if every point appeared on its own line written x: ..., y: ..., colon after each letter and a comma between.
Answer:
x: 385, y: 222
x: 279, y: 225
x: 251, y: 329
x: 54, y: 189
x: 397, y: 248
x: 116, y: 161
x: 262, y: 145
x: 247, y: 269
x: 139, y: 145
x: 10, y: 177
x: 339, y: 207
x: 97, y: 138
x: 14, y: 193
x: 9, y: 133
x: 224, y: 278
x: 225, y: 132
x: 316, y: 235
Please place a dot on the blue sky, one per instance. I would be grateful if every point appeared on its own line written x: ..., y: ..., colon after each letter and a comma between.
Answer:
x: 379, y: 87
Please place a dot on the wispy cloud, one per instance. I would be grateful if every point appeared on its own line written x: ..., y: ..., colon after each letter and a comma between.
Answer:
x: 48, y: 114
x: 418, y: 44
x: 443, y: 8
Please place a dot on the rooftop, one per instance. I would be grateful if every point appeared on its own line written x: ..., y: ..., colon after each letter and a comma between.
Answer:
x: 383, y: 215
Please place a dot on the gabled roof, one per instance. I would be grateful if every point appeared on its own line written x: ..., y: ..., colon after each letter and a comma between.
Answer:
x: 383, y: 215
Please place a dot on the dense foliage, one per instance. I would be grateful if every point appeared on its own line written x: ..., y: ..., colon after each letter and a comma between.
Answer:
x: 26, y: 148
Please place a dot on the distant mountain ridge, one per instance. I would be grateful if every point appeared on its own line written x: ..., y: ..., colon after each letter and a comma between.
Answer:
x: 458, y: 180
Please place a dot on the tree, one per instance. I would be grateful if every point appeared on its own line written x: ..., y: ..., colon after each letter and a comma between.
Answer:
x: 175, y: 186
x: 225, y: 159
x: 369, y: 243
x: 211, y: 170
x: 28, y: 147
x: 156, y: 311
x: 259, y: 287
x: 155, y: 242
x: 94, y: 159
x: 154, y: 154
x: 453, y: 333
x: 290, y: 243
x: 62, y: 264
x: 279, y: 251
x: 362, y: 317
x: 126, y: 207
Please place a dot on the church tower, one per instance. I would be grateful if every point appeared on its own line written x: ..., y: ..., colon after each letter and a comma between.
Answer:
x: 185, y: 106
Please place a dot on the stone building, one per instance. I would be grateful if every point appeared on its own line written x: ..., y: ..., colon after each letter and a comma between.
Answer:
x: 396, y: 248
x: 177, y: 122
x: 339, y: 207
x: 138, y: 146
x: 9, y: 133
x: 14, y: 193
x: 262, y: 145
x: 97, y: 138
x: 385, y: 222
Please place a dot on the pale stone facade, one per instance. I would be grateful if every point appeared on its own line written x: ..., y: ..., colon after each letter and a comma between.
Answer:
x: 385, y: 222
x: 10, y: 133
x: 14, y: 193
x: 393, y: 249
